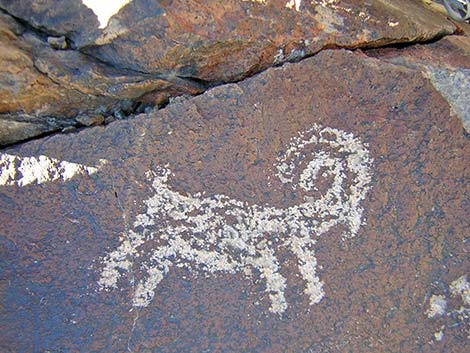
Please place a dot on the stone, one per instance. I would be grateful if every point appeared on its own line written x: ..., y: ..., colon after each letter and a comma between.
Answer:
x: 14, y: 131
x: 446, y: 62
x: 58, y: 43
x: 87, y: 120
x: 40, y: 85
x: 71, y: 19
x: 143, y: 52
x: 287, y: 212
x: 23, y: 90
x: 458, y: 10
x: 194, y: 39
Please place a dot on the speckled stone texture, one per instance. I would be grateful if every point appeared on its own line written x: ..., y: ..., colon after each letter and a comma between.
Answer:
x: 446, y: 63
x: 414, y: 243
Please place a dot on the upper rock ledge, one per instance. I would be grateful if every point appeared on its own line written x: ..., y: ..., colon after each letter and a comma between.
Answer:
x: 225, y: 41
x: 142, y: 52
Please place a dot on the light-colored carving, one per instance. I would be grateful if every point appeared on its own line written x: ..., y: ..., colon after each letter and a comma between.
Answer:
x: 450, y: 315
x: 217, y: 233
x: 294, y: 4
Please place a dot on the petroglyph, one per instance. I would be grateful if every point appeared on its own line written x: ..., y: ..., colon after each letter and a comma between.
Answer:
x: 217, y: 233
x: 22, y: 171
x: 437, y: 306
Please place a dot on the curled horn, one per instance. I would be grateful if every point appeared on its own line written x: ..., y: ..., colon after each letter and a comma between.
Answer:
x: 327, y: 152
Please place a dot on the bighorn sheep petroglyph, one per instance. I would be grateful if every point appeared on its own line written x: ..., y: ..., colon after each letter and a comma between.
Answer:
x: 218, y: 233
x: 328, y: 167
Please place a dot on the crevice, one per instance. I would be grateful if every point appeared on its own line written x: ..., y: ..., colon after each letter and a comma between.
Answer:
x: 171, y: 77
x: 198, y: 83
x: 41, y: 33
x: 124, y: 109
x: 114, y: 66
x: 405, y: 44
x: 29, y: 139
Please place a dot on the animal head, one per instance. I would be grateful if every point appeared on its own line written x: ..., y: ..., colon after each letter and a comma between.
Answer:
x: 332, y: 169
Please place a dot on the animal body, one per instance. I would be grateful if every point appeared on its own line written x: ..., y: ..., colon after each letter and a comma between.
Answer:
x: 217, y: 233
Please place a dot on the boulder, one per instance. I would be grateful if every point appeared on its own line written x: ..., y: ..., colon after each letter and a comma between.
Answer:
x: 337, y: 184
x: 225, y: 42
x: 81, y: 59
x: 44, y: 90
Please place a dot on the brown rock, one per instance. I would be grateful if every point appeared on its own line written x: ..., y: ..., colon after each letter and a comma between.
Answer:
x: 13, y: 131
x: 450, y: 52
x: 90, y: 120
x: 69, y: 18
x: 40, y: 85
x: 222, y: 43
x: 24, y: 92
x: 446, y: 62
x: 380, y: 286
x: 149, y: 51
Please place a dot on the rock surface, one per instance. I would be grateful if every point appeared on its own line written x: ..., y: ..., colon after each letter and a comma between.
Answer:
x: 152, y: 50
x: 44, y: 90
x: 384, y: 288
x: 447, y: 63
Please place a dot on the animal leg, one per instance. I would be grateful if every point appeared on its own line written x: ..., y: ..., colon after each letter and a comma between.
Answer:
x: 303, y: 249
x: 268, y: 265
x: 120, y: 259
x: 145, y: 290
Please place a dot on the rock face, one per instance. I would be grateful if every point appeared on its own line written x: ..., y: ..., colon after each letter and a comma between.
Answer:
x: 320, y: 206
x: 43, y: 90
x: 140, y: 53
x: 447, y: 63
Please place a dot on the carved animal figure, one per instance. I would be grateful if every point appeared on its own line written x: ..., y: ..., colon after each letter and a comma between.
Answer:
x: 218, y: 233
